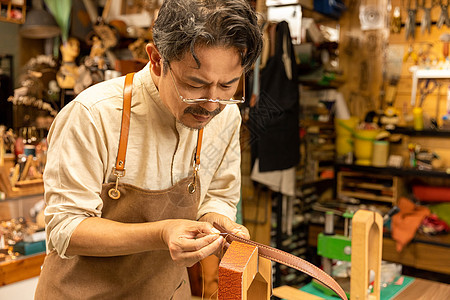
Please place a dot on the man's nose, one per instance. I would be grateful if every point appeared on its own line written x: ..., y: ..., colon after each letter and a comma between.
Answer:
x: 211, y: 94
x: 209, y: 106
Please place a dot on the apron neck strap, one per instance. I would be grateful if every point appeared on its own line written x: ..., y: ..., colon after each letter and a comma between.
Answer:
x: 198, y: 150
x: 119, y: 168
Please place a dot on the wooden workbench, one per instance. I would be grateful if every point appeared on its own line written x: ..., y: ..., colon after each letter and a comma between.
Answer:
x: 425, y: 289
x: 418, y: 289
x: 21, y: 268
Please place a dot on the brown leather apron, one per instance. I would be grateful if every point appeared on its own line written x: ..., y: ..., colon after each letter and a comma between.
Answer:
x: 146, y: 275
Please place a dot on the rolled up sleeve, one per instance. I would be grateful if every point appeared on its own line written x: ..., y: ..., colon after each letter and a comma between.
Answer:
x: 73, y: 174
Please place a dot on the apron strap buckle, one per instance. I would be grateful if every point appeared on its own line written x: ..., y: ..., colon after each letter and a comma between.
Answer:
x: 114, y: 192
x: 193, y: 184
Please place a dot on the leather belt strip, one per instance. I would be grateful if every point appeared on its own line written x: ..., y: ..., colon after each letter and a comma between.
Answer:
x: 123, y: 142
x: 289, y: 260
x: 119, y: 167
x: 199, y: 147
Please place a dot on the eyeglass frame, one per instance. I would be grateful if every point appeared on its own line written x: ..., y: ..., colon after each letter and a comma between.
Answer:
x: 203, y: 100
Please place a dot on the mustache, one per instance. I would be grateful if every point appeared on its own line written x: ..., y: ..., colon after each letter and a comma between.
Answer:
x: 198, y: 110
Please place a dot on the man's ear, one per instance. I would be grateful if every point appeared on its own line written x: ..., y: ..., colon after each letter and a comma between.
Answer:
x: 155, y: 58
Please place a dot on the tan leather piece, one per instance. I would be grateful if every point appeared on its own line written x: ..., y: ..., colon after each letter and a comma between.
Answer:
x: 287, y: 259
x: 123, y: 142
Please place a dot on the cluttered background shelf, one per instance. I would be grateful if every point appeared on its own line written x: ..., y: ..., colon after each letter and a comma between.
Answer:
x: 416, y: 254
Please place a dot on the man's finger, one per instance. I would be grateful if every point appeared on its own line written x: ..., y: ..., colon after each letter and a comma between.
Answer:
x: 191, y: 257
x: 196, y: 243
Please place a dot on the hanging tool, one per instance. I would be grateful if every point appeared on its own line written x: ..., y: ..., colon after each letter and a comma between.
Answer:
x: 411, y: 20
x: 426, y: 87
x: 443, y: 17
x: 425, y: 24
x: 434, y: 121
x: 411, y: 53
x: 364, y: 76
x: 446, y: 117
x: 445, y: 38
x: 396, y: 23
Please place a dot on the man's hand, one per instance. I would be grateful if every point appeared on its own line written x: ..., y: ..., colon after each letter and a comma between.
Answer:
x: 229, y: 225
x: 190, y: 241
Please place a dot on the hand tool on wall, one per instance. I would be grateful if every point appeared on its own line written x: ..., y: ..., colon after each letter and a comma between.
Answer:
x: 396, y: 23
x: 425, y: 24
x: 426, y: 87
x: 445, y: 38
x: 447, y: 115
x: 434, y: 121
x: 443, y: 17
x: 411, y: 53
x: 410, y: 26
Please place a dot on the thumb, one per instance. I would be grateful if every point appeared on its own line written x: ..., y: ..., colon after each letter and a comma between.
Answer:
x: 240, y: 231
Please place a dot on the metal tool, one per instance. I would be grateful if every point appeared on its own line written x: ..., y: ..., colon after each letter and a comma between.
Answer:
x: 425, y: 24
x: 410, y: 26
x: 443, y: 17
x: 394, y: 210
x: 445, y: 39
x: 411, y: 53
x: 434, y: 121
x: 426, y: 87
x: 396, y: 23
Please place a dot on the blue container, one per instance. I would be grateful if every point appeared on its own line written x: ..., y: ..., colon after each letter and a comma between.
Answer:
x: 332, y: 8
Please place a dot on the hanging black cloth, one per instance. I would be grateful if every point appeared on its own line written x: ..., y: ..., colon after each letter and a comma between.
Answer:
x: 6, y: 108
x: 273, y: 122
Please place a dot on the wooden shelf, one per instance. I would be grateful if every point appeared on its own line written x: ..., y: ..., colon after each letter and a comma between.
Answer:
x: 7, y: 7
x: 21, y: 268
x: 367, y: 186
x: 425, y: 74
x: 23, y: 188
x: 394, y: 171
x: 367, y: 196
x: 424, y: 133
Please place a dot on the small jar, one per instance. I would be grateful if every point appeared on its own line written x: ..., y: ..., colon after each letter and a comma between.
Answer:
x: 418, y: 118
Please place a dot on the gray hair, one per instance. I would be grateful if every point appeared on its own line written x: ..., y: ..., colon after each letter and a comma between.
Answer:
x: 183, y: 24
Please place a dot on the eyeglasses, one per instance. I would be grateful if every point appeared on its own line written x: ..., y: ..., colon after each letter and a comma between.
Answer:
x: 202, y: 100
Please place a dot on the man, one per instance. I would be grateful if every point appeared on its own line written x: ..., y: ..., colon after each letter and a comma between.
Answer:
x: 124, y: 224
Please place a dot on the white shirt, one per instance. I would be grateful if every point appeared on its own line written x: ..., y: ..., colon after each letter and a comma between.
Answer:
x: 83, y: 142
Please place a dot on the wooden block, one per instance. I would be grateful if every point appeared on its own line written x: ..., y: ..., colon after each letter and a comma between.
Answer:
x: 243, y: 274
x: 367, y: 239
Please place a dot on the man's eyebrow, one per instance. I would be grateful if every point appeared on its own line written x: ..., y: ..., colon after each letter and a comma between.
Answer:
x: 201, y: 81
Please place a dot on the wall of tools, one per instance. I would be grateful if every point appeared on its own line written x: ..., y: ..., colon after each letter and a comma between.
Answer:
x: 381, y: 40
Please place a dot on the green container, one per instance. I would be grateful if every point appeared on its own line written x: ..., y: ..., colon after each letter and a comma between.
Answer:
x: 26, y: 248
